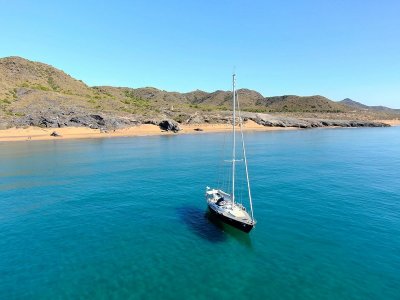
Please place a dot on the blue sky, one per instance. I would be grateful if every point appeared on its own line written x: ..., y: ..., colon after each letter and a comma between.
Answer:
x: 333, y: 48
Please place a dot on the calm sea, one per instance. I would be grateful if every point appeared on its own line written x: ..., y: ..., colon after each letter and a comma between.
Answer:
x: 125, y: 218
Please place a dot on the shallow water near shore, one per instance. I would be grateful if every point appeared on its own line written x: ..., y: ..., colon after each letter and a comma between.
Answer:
x: 126, y: 218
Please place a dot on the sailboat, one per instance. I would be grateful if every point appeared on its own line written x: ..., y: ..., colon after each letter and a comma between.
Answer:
x: 223, y: 204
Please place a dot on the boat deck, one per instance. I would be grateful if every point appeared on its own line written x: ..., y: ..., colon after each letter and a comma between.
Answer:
x: 221, y: 203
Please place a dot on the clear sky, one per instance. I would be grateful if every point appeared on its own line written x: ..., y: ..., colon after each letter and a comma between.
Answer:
x: 334, y: 48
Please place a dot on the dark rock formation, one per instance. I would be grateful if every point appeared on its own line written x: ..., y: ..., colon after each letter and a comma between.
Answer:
x: 54, y: 133
x: 99, y: 119
x: 59, y: 118
x: 276, y: 121
x: 169, y: 125
x: 44, y: 122
x: 56, y: 118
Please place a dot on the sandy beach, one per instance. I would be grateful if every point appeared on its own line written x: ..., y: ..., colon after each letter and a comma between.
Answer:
x: 390, y: 122
x: 37, y: 133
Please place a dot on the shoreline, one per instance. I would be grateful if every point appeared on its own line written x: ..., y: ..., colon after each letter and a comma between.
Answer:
x: 66, y: 133
x: 389, y: 122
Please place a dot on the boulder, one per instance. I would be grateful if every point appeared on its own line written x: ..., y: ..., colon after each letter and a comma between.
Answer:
x: 44, y: 122
x: 55, y: 133
x: 169, y: 125
x: 99, y: 119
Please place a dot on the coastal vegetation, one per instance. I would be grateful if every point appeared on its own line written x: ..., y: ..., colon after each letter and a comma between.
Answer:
x: 31, y: 91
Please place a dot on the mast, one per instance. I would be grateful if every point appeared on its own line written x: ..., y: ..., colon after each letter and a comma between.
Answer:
x: 234, y: 139
x: 245, y: 161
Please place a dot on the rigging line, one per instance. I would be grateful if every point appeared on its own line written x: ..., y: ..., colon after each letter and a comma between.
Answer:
x: 226, y: 173
x: 241, y: 192
x: 229, y: 183
x: 234, y: 138
x: 243, y: 187
x: 245, y: 158
x: 220, y: 172
x: 224, y: 179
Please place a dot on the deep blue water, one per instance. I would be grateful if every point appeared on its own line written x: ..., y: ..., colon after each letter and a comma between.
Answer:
x: 125, y: 218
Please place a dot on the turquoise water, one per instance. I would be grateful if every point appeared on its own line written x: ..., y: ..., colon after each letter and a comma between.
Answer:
x: 125, y: 218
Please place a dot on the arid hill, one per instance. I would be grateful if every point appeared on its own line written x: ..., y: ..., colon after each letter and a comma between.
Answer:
x: 363, y: 107
x: 34, y: 93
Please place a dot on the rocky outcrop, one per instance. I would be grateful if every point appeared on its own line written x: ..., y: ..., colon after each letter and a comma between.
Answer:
x: 282, y: 121
x: 195, y: 118
x: 165, y: 124
x: 169, y: 125
x: 71, y: 118
x: 54, y: 133
x: 277, y: 121
x: 107, y: 121
x: 274, y: 121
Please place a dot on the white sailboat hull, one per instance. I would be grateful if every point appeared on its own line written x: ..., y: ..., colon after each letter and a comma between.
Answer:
x: 235, y: 215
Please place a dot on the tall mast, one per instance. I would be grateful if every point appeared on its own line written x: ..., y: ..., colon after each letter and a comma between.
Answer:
x: 234, y: 139
x: 245, y: 159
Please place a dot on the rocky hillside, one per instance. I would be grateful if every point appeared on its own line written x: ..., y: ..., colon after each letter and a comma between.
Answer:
x: 293, y: 103
x: 360, y: 106
x: 17, y: 72
x: 353, y: 104
x: 33, y: 93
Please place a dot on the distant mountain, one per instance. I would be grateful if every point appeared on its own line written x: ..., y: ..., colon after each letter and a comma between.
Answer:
x: 384, y: 108
x: 357, y: 105
x: 353, y: 104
